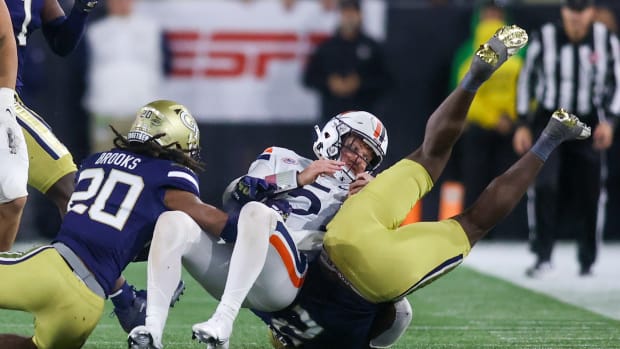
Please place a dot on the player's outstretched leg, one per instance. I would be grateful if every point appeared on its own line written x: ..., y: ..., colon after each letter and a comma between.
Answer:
x: 446, y: 124
x: 255, y: 226
x: 505, y: 191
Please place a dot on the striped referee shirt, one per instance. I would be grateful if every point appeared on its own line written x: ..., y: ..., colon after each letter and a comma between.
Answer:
x: 579, y: 77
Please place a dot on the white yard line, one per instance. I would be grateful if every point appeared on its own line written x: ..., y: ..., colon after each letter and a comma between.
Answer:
x: 599, y: 293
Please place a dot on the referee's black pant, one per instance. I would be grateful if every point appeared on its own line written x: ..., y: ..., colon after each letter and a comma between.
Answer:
x: 567, y: 191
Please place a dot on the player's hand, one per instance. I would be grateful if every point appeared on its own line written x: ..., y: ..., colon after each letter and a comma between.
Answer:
x: 252, y: 189
x: 603, y: 136
x: 11, y: 132
x: 360, y: 182
x: 522, y: 140
x: 281, y: 206
x: 317, y: 168
x: 86, y: 5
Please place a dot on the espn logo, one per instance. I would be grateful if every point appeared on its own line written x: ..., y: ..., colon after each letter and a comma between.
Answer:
x: 236, y: 54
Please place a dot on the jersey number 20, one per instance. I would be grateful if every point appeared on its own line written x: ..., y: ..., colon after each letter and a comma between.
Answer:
x: 103, y: 190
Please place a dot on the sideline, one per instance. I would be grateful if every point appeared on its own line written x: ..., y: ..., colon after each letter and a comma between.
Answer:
x: 599, y: 292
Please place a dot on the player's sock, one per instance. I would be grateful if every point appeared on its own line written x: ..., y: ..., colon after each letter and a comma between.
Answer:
x: 256, y: 222
x: 172, y: 236
x: 561, y: 127
x: 492, y: 54
x: 123, y: 297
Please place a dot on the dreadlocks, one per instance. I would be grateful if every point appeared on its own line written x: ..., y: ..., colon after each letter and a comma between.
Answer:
x: 151, y: 148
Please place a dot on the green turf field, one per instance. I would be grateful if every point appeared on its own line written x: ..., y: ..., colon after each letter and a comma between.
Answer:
x: 462, y: 310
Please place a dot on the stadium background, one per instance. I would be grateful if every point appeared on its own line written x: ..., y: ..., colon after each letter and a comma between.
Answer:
x: 420, y: 40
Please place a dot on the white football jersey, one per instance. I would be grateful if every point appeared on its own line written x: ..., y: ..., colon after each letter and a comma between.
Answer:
x: 313, y: 205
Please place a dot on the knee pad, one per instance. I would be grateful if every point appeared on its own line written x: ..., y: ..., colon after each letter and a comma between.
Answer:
x: 175, y: 228
x: 257, y: 219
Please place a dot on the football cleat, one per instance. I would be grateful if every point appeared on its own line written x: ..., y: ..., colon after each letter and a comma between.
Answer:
x: 176, y: 296
x: 141, y: 338
x: 506, y: 41
x: 214, y: 332
x: 135, y: 315
x: 567, y: 125
x: 513, y: 37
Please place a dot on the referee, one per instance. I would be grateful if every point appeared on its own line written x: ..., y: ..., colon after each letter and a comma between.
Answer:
x: 575, y: 65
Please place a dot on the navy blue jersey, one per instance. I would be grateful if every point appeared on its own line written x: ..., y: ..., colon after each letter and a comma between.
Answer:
x: 326, y: 314
x: 112, y: 213
x: 26, y: 18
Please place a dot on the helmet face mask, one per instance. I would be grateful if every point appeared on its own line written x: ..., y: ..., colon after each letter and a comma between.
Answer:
x: 171, y: 119
x: 331, y: 140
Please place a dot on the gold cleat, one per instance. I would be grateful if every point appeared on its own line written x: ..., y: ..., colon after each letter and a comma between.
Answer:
x: 565, y: 117
x: 486, y: 53
x: 512, y: 37
x: 580, y: 130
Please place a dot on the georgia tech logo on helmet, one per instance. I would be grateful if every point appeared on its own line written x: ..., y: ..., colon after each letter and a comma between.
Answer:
x: 188, y: 121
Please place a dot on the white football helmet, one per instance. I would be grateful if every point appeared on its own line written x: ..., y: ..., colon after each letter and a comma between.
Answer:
x: 368, y: 127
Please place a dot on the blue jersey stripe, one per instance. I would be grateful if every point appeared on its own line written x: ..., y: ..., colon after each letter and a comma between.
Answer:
x: 300, y: 258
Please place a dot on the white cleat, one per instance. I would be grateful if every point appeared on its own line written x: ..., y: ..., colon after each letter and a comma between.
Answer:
x: 141, y: 338
x: 215, y: 332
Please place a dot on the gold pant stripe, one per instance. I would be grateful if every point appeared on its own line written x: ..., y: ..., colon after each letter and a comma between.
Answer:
x: 50, y: 160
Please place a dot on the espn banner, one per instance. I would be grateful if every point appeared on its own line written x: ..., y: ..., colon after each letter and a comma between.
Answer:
x: 236, y: 61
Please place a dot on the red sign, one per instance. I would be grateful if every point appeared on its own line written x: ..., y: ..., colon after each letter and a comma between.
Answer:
x: 234, y: 54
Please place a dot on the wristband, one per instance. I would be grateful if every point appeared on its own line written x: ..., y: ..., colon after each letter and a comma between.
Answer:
x: 284, y: 180
x: 229, y: 232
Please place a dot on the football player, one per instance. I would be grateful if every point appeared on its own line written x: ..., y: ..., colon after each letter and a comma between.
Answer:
x: 369, y: 259
x: 287, y: 201
x: 110, y: 218
x: 13, y: 153
x: 51, y: 171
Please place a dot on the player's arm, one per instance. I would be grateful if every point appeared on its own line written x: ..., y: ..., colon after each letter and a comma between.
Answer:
x: 209, y: 218
x: 265, y: 179
x: 8, y: 50
x: 63, y: 33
